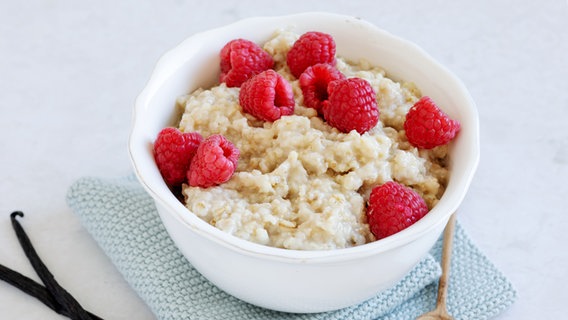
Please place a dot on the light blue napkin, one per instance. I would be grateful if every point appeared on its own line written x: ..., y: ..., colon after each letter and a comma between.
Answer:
x: 122, y: 218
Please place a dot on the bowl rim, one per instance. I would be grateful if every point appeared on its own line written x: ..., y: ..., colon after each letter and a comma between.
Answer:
x: 431, y: 221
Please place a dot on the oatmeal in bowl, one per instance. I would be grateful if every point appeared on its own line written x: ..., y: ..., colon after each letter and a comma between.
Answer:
x: 303, y: 168
x: 300, y: 182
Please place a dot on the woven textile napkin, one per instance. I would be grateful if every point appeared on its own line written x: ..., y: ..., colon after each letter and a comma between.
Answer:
x: 122, y: 218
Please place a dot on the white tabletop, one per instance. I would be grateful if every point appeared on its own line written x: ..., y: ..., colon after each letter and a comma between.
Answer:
x: 70, y: 71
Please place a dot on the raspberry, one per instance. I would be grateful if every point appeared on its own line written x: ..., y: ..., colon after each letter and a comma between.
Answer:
x: 214, y: 163
x: 427, y: 126
x: 240, y: 60
x: 267, y: 96
x: 309, y: 49
x: 352, y: 105
x: 392, y: 208
x: 314, y: 81
x: 173, y: 151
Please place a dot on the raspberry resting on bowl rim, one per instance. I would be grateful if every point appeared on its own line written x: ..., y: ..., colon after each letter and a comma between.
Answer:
x: 301, y: 183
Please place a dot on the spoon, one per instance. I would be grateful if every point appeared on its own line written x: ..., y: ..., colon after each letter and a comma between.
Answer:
x: 440, y: 312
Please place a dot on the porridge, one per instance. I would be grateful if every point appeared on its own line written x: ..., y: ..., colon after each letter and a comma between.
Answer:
x: 299, y: 182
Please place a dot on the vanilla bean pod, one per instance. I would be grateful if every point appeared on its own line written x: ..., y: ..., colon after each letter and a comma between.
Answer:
x: 35, y: 290
x: 30, y: 287
x: 65, y: 303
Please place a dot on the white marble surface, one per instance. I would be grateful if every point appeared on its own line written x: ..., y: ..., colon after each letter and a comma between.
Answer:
x: 70, y: 71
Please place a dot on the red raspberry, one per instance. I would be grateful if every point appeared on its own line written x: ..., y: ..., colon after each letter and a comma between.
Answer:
x: 427, y: 126
x: 240, y: 60
x: 352, y: 105
x: 267, y: 96
x: 392, y: 208
x: 314, y: 81
x: 173, y: 151
x: 214, y: 163
x: 309, y: 49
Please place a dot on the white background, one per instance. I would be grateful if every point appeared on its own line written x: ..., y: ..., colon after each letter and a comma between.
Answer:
x: 70, y: 71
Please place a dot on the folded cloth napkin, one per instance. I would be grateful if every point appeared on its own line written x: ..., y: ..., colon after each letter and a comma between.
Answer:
x: 122, y: 218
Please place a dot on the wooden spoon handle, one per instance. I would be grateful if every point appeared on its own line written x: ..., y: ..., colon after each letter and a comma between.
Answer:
x: 446, y: 261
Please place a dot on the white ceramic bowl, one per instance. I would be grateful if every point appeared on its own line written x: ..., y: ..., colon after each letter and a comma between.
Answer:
x: 292, y: 280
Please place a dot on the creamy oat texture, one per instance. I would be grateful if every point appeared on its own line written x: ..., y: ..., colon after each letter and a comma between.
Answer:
x: 301, y: 184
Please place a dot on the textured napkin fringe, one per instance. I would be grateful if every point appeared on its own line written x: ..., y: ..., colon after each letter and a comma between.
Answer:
x: 123, y: 220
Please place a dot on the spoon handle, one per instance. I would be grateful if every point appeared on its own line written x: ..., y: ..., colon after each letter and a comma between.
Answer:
x: 446, y: 261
